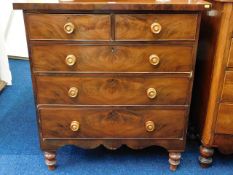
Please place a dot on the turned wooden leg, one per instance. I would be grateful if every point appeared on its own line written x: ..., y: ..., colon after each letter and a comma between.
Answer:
x: 174, y: 160
x: 205, y: 157
x: 50, y: 160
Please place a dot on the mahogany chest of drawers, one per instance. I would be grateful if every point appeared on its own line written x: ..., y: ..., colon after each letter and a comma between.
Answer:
x: 112, y: 73
x: 212, y: 108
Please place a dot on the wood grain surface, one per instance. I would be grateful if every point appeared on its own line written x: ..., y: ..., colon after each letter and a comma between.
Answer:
x: 227, y: 92
x: 115, y: 58
x: 225, y: 119
x: 175, y: 5
x: 230, y: 58
x: 112, y: 90
x: 112, y: 123
x: 138, y: 26
x: 51, y: 26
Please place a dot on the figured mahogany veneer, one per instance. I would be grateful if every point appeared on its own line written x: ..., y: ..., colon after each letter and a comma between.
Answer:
x: 51, y: 26
x: 118, y: 58
x: 112, y: 73
x: 112, y: 90
x: 138, y: 27
x: 112, y: 123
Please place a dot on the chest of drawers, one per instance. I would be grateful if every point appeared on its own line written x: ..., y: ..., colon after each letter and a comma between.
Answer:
x: 112, y: 73
x: 213, y: 95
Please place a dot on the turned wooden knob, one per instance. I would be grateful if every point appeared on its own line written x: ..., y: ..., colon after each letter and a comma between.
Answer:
x: 74, y: 126
x: 73, y: 92
x: 150, y: 126
x: 70, y: 60
x: 156, y: 28
x: 69, y: 28
x: 154, y: 59
x: 151, y: 93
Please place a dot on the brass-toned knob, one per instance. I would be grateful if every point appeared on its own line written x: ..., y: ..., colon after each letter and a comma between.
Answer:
x: 150, y: 126
x: 156, y: 28
x: 73, y: 92
x: 70, y: 60
x: 69, y: 28
x: 74, y: 126
x: 154, y: 59
x: 151, y: 93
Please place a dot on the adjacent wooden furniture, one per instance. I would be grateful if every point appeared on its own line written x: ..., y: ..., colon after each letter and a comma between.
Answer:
x: 112, y: 73
x: 213, y: 88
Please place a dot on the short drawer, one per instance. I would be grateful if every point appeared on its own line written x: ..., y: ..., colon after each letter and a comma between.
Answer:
x: 230, y: 58
x: 128, y: 122
x: 68, y: 27
x: 112, y: 90
x: 133, y: 58
x: 224, y: 123
x: 156, y: 26
x: 227, y: 92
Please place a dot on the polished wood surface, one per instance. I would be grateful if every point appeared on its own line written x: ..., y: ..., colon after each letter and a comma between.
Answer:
x: 225, y: 119
x: 212, y: 93
x: 112, y: 90
x: 112, y: 73
x: 138, y: 27
x: 172, y: 58
x: 227, y: 92
x: 230, y: 58
x: 175, y: 5
x: 112, y: 123
x: 51, y: 26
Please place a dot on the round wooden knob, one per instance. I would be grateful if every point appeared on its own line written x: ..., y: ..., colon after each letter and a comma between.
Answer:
x: 74, y: 126
x: 151, y: 93
x: 73, y: 92
x: 69, y: 28
x: 156, y: 28
x: 70, y: 60
x: 150, y: 126
x: 154, y: 59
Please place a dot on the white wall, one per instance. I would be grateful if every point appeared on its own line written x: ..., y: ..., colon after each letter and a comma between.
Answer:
x: 16, y: 38
x: 5, y: 14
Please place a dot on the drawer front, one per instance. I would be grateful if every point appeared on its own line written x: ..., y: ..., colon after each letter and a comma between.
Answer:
x: 148, y: 58
x: 230, y: 58
x: 112, y: 123
x: 224, y: 123
x: 156, y: 27
x: 227, y: 92
x: 112, y: 90
x: 68, y: 27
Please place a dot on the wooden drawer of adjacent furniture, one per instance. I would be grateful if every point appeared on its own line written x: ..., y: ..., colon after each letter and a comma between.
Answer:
x: 68, y: 27
x: 128, y: 58
x: 112, y: 90
x: 128, y: 122
x: 230, y: 58
x: 224, y: 123
x: 227, y: 92
x: 156, y: 26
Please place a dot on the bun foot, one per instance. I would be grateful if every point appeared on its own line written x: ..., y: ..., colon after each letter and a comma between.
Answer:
x: 174, y: 160
x: 205, y: 158
x: 50, y: 160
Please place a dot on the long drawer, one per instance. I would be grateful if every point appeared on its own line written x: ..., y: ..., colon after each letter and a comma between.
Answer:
x: 156, y: 27
x: 227, y: 92
x: 68, y: 27
x: 230, y: 57
x: 128, y: 58
x: 112, y: 90
x: 224, y: 123
x: 129, y: 122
